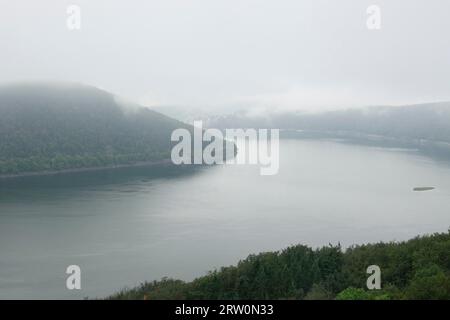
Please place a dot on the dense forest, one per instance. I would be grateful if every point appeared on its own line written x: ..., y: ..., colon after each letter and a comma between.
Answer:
x: 52, y: 127
x: 415, y: 269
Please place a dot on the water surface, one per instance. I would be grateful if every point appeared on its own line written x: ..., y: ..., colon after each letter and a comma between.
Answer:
x: 126, y: 226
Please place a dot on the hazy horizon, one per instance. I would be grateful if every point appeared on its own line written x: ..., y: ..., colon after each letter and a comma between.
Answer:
x: 222, y: 55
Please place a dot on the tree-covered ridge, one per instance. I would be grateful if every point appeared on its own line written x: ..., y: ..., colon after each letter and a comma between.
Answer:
x: 429, y: 121
x: 56, y: 127
x: 415, y: 269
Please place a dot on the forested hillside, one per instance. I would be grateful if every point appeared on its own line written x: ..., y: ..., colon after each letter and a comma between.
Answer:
x: 47, y: 127
x: 415, y: 269
x: 423, y: 127
x: 430, y: 121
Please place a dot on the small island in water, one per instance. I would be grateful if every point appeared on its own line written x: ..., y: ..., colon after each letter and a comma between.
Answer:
x: 423, y: 188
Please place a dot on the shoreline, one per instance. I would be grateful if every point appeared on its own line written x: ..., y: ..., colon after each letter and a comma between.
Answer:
x: 88, y: 169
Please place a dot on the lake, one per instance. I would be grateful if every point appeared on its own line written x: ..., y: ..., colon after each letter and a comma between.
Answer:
x: 125, y: 226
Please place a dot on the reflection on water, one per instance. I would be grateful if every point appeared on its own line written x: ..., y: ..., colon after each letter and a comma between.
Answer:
x: 125, y: 226
x: 112, y: 178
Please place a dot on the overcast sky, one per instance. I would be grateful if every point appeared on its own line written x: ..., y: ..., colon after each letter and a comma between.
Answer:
x: 296, y: 54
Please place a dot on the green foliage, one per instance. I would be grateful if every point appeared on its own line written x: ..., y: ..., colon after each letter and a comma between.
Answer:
x: 361, y: 294
x: 415, y: 269
x: 429, y: 283
x: 353, y: 294
x: 163, y: 289
x: 53, y: 128
x: 318, y: 292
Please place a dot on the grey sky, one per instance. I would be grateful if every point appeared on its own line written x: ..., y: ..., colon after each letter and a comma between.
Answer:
x: 227, y: 53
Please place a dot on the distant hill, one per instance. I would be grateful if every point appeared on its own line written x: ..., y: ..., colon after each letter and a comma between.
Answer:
x: 423, y: 126
x: 423, y: 121
x: 54, y: 127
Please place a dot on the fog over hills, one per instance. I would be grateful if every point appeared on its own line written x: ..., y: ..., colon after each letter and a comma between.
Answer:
x: 421, y: 126
x: 53, y: 127
x: 422, y: 121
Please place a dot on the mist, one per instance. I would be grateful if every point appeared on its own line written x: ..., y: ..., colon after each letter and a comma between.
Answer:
x: 225, y: 55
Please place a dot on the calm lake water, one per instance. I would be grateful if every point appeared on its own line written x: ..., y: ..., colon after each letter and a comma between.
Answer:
x: 126, y: 226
